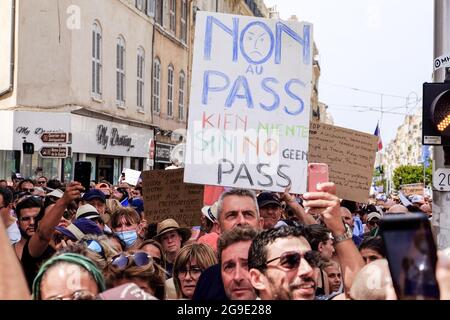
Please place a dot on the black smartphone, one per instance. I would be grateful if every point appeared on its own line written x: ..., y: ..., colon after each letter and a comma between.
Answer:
x: 83, y: 174
x: 412, y: 255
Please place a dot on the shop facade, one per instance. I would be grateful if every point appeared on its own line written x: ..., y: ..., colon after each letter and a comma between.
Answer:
x: 60, y: 139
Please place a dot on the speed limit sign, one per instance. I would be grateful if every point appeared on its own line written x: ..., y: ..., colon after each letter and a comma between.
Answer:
x: 441, y: 179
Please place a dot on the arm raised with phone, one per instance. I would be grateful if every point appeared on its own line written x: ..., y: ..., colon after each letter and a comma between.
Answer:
x: 326, y: 200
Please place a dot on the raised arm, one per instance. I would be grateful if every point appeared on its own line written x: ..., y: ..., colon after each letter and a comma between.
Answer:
x: 299, y: 212
x: 349, y: 257
x: 13, y: 285
x: 41, y: 238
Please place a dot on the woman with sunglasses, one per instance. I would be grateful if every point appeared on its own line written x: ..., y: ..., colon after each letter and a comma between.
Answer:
x: 155, y: 249
x: 54, y: 275
x: 189, y: 264
x: 137, y: 267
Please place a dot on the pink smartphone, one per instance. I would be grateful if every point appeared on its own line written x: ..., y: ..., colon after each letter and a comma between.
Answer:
x: 317, y: 173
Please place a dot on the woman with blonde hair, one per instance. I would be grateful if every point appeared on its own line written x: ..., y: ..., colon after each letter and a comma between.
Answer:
x: 189, y: 264
x: 137, y: 267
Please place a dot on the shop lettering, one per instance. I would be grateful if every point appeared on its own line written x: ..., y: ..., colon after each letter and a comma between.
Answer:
x: 37, y: 131
x: 115, y: 140
x: 23, y: 130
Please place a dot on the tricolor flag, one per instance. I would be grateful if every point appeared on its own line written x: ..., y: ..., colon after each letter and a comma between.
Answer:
x: 377, y: 133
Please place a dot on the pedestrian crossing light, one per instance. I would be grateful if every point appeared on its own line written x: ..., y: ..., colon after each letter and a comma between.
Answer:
x: 436, y: 114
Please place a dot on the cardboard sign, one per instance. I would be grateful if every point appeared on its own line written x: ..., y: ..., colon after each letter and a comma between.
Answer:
x: 350, y: 156
x: 412, y: 189
x: 167, y: 196
x: 250, y: 103
x: 132, y: 176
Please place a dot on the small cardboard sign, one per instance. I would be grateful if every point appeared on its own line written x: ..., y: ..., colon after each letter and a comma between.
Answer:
x: 350, y: 156
x: 412, y: 189
x: 132, y: 176
x: 167, y: 196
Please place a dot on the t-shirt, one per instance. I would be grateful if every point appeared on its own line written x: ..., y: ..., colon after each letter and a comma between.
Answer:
x: 210, y: 285
x: 13, y: 233
x: 31, y: 265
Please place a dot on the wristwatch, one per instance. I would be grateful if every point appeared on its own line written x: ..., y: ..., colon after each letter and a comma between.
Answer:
x: 342, y: 237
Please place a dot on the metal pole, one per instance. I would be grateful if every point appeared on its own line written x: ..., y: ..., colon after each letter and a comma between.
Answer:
x: 441, y: 200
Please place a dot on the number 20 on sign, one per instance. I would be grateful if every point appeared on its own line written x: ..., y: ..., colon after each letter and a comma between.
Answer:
x: 441, y: 180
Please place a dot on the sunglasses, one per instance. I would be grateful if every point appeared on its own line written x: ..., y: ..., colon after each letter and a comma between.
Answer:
x: 122, y: 261
x: 31, y: 190
x: 77, y: 295
x: 372, y: 223
x: 291, y: 260
x: 26, y: 219
x: 41, y: 182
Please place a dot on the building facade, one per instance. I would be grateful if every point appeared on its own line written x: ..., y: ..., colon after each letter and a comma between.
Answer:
x: 406, y: 148
x: 78, y: 68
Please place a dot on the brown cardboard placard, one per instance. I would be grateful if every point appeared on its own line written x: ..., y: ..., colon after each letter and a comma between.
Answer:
x: 412, y: 189
x: 350, y: 156
x: 167, y: 196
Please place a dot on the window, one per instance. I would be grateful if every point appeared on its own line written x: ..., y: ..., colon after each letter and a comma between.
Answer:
x: 140, y: 4
x: 183, y: 19
x: 151, y: 8
x: 120, y: 71
x: 159, y: 11
x: 181, y: 85
x: 170, y: 91
x: 156, y: 85
x: 96, y: 61
x: 140, y: 77
x: 172, y: 10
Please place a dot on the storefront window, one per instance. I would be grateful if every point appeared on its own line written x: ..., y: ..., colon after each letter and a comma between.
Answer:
x: 68, y: 169
x: 93, y: 161
x: 7, y: 164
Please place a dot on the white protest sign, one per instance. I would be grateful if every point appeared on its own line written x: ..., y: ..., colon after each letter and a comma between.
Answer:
x: 250, y: 103
x: 441, y: 62
x: 132, y: 176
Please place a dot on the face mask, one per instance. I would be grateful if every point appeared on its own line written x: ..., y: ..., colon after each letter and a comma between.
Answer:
x: 129, y: 237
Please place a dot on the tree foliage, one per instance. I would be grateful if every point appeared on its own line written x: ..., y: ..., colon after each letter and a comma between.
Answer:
x: 411, y: 174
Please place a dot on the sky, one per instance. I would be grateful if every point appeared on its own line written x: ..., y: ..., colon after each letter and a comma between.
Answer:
x: 372, y: 53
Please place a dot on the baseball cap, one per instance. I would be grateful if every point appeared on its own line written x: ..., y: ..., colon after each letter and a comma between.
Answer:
x: 94, y: 194
x: 87, y: 211
x: 138, y: 205
x: 373, y: 215
x: 266, y: 198
x: 79, y: 228
x: 210, y: 212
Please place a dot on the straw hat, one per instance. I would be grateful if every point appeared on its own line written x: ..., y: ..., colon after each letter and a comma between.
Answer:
x: 171, y: 225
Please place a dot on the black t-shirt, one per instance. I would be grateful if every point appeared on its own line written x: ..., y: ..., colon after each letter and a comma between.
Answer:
x: 210, y: 285
x: 31, y: 265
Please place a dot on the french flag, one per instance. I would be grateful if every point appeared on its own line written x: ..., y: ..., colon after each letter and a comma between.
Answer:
x: 377, y: 133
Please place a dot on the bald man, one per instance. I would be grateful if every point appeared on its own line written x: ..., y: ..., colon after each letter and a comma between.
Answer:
x: 397, y: 208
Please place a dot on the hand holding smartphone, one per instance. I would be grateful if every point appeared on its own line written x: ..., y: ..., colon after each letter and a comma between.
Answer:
x: 82, y: 174
x: 317, y: 173
x: 412, y: 255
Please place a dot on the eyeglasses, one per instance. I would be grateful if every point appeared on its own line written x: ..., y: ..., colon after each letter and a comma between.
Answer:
x: 26, y: 219
x: 31, y: 190
x: 291, y: 259
x: 195, y: 272
x: 41, y: 182
x: 122, y: 261
x: 95, y: 246
x: 77, y: 295
x: 373, y: 222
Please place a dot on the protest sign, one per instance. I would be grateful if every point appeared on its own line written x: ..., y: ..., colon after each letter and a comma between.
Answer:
x: 350, y: 156
x: 167, y: 196
x: 412, y: 189
x: 132, y: 176
x: 250, y: 103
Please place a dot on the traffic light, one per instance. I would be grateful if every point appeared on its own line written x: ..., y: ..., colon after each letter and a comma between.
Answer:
x: 28, y: 148
x: 436, y: 114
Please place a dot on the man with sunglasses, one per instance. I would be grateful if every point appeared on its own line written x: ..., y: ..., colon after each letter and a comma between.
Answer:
x: 27, y: 211
x: 42, y: 182
x: 26, y: 185
x: 282, y: 265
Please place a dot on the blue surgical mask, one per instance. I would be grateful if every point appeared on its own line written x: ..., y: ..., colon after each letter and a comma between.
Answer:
x: 129, y: 237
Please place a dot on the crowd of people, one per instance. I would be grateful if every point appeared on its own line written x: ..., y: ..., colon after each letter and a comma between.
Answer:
x: 61, y: 242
